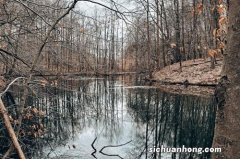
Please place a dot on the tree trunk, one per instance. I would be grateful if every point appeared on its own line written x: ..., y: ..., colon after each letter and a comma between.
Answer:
x: 177, y: 32
x: 227, y: 127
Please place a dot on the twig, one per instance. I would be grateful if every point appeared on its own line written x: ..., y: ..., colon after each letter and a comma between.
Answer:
x: 11, y: 148
x: 100, y: 4
x: 36, y: 59
x: 14, y: 55
x: 32, y: 11
x: 9, y: 85
x: 52, y: 150
x: 101, y: 151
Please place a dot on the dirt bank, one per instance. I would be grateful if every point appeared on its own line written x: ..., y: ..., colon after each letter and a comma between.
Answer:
x: 198, y: 73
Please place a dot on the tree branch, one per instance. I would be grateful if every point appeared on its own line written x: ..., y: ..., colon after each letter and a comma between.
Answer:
x: 15, y: 56
x: 49, y: 33
x: 101, y: 151
x: 95, y: 150
x: 9, y: 85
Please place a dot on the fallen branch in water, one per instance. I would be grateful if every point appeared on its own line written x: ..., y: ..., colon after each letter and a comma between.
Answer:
x: 95, y: 150
x: 101, y: 151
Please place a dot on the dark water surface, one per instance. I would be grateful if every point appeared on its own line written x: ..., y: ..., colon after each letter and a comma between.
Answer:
x: 87, y: 114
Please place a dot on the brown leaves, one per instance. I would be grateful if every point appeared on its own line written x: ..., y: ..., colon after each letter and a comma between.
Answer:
x: 218, y: 32
x: 28, y: 116
x: 30, y: 127
x: 43, y: 82
x: 221, y: 45
x: 41, y: 113
x: 173, y: 45
x: 222, y: 20
x: 213, y: 52
x: 198, y: 9
x: 34, y: 110
x: 221, y: 9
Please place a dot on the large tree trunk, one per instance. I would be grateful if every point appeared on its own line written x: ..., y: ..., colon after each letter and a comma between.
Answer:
x: 227, y: 130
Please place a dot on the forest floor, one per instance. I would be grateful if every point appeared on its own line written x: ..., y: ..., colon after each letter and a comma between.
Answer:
x: 197, y: 73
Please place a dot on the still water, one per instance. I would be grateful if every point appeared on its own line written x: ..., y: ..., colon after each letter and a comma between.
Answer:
x: 107, y: 118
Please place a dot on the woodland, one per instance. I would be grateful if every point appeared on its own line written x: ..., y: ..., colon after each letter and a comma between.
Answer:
x: 186, y: 42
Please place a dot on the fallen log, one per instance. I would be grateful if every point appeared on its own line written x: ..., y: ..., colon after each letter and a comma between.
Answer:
x: 182, y: 83
x: 85, y: 74
x: 190, y: 84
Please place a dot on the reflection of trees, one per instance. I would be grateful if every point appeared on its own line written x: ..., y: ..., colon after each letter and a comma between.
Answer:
x: 90, y: 103
x: 73, y: 106
x: 159, y: 118
x: 170, y: 120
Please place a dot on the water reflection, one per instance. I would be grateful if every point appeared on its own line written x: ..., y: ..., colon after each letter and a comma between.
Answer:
x: 172, y: 121
x: 85, y: 115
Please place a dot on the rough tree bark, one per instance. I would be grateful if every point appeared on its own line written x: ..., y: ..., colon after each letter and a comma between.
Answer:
x: 227, y: 130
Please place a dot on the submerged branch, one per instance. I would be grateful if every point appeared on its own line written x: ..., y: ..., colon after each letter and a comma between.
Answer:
x: 95, y: 150
x: 101, y: 151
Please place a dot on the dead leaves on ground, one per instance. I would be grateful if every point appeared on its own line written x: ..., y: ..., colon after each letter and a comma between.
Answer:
x: 195, y: 72
x: 32, y: 123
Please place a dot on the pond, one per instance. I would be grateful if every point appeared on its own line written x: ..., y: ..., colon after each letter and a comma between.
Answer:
x: 111, y: 118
